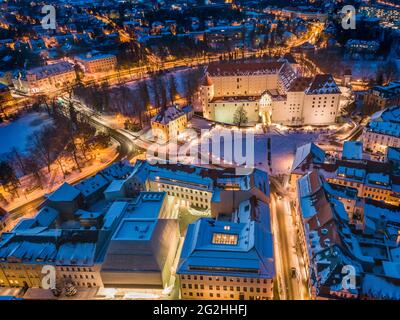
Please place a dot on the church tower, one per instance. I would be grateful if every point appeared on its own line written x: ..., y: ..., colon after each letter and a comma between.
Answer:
x: 206, y: 95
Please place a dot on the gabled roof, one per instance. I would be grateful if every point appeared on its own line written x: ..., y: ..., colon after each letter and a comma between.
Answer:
x: 51, y: 69
x: 167, y: 115
x: 308, y: 150
x: 323, y: 84
x: 300, y: 84
x: 64, y: 193
x: 92, y: 184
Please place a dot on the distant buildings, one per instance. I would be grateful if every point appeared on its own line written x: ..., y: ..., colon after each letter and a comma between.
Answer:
x: 218, y: 36
x: 389, y: 17
x: 97, y: 62
x: 168, y: 123
x: 230, y: 258
x: 305, y: 13
x: 362, y: 46
x: 45, y: 79
x: 268, y: 92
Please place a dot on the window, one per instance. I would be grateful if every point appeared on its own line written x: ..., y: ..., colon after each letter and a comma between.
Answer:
x: 224, y: 238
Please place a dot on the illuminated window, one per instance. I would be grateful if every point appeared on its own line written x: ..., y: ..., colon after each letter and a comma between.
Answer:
x: 224, y: 238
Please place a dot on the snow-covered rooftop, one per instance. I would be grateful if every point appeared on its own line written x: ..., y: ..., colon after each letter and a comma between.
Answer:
x: 64, y: 193
x: 352, y: 150
x: 165, y: 116
x: 241, y: 248
x: 308, y: 151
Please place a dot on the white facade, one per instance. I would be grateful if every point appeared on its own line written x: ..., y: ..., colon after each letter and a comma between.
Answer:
x: 46, y: 79
x: 99, y: 63
x: 382, y: 131
x: 168, y: 124
x: 269, y: 92
x: 376, y: 142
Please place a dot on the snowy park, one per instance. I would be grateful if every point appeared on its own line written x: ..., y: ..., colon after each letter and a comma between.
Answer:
x: 16, y: 134
x: 250, y: 148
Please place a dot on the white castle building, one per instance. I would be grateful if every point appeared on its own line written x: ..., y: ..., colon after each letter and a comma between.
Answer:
x: 271, y: 91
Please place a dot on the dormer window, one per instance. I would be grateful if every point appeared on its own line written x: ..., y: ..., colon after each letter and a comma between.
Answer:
x: 224, y: 238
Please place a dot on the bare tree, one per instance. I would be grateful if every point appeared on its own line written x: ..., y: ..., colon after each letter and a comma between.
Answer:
x: 17, y: 159
x: 172, y: 88
x: 42, y: 145
x: 33, y: 167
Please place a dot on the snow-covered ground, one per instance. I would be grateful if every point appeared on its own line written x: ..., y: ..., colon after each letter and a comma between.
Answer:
x: 115, y: 121
x: 179, y: 79
x: 54, y: 179
x: 16, y: 133
x: 364, y: 68
x: 346, y: 97
x: 283, y: 148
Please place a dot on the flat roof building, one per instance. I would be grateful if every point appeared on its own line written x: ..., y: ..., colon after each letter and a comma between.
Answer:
x: 229, y: 259
x: 143, y: 247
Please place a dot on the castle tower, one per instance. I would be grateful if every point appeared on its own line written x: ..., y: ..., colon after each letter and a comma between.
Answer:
x: 206, y: 95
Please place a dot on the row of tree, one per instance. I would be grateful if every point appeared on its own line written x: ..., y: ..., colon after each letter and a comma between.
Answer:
x: 57, y: 143
x: 159, y: 91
